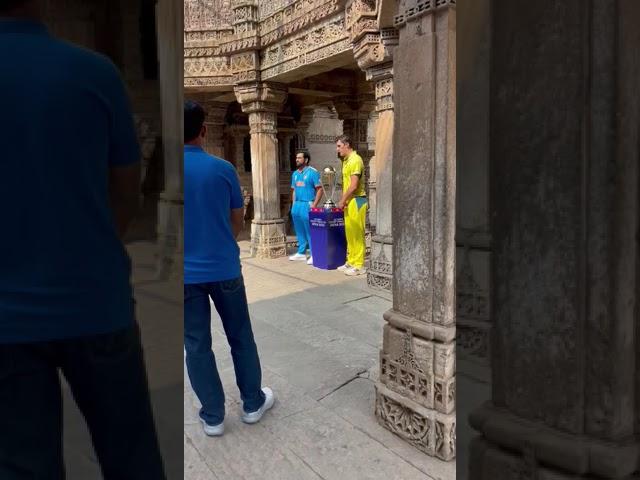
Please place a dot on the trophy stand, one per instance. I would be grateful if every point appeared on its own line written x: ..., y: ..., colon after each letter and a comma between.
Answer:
x: 328, y: 241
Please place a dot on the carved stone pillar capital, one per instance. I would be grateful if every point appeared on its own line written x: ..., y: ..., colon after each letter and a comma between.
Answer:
x: 382, y: 76
x: 261, y: 97
x: 351, y: 107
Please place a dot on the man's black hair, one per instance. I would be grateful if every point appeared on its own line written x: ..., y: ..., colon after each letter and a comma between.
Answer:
x: 194, y: 116
x: 307, y: 157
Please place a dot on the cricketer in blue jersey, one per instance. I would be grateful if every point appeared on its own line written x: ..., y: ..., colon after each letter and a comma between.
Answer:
x: 306, y: 189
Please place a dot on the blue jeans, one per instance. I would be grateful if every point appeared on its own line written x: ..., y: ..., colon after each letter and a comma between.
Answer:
x: 300, y: 216
x: 230, y: 300
x: 108, y: 381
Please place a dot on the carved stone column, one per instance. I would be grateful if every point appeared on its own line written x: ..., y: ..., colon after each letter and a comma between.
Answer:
x: 380, y: 272
x: 214, y: 142
x: 565, y: 221
x: 238, y: 136
x: 285, y: 154
x: 303, y: 124
x: 262, y: 102
x: 354, y: 111
x: 170, y: 27
x: 415, y: 395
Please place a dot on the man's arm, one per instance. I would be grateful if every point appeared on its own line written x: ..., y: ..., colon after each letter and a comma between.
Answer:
x: 124, y: 194
x: 346, y: 196
x: 237, y: 221
x: 318, y: 197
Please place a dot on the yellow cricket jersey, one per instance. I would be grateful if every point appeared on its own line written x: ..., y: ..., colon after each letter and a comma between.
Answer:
x: 353, y: 165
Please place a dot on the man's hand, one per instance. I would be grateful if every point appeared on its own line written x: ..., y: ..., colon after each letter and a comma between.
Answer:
x: 341, y: 204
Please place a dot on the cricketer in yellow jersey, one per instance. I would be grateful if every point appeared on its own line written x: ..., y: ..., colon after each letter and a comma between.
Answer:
x: 354, y: 202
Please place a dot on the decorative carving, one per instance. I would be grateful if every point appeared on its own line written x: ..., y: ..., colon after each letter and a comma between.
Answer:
x: 472, y: 308
x: 200, y: 15
x: 405, y: 376
x: 384, y: 94
x: 423, y: 7
x: 430, y: 434
x: 380, y: 273
x: 294, y: 18
x: 324, y: 40
x: 318, y: 138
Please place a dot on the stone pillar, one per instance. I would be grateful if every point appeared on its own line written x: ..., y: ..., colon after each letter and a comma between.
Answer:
x: 380, y: 272
x: 285, y: 159
x: 565, y: 221
x: 354, y: 111
x: 169, y: 18
x: 415, y: 395
x: 262, y: 102
x: 214, y: 142
x: 238, y: 136
x: 302, y: 126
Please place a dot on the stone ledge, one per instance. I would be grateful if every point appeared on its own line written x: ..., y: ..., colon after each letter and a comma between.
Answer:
x: 428, y: 331
x: 577, y: 454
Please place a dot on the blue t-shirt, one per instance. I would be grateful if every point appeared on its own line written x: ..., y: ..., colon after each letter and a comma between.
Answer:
x: 304, y: 184
x: 211, y: 190
x: 65, y: 119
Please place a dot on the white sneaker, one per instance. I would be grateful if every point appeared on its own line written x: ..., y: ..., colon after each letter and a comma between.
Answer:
x: 254, y: 417
x: 212, y: 430
x: 297, y: 257
x: 310, y: 261
x: 353, y: 271
x: 344, y: 267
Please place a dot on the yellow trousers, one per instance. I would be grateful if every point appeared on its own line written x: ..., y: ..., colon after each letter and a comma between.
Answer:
x: 355, y: 216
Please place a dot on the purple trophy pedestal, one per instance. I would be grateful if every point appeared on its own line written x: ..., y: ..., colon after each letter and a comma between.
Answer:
x: 327, y: 238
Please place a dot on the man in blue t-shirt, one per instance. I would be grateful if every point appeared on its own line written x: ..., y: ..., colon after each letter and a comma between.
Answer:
x: 213, y: 218
x: 69, y: 186
x: 306, y: 192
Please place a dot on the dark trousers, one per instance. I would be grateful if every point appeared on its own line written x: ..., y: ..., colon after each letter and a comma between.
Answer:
x: 107, y: 378
x: 230, y: 300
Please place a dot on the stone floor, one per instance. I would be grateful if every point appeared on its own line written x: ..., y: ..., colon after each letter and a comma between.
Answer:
x: 319, y: 334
